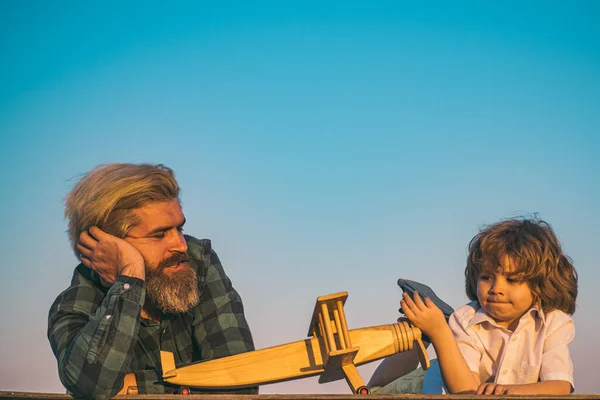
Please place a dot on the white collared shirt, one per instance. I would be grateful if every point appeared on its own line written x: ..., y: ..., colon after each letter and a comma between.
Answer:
x: 538, y: 349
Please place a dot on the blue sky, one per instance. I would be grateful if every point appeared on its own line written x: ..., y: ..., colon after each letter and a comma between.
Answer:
x: 322, y: 147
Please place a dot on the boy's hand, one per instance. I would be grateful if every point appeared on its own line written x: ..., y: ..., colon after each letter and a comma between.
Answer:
x: 109, y: 256
x: 424, y: 315
x: 492, y: 388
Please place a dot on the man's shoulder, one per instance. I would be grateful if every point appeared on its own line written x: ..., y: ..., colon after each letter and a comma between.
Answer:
x: 198, y: 248
x: 191, y: 240
x: 207, y: 261
x: 83, y: 294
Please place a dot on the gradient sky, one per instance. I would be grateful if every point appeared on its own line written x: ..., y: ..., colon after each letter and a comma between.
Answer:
x: 322, y: 146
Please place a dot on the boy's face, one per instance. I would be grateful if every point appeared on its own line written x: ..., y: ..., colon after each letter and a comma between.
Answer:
x: 503, y: 295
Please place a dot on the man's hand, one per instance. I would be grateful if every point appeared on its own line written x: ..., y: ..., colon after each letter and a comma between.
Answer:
x: 110, y: 256
x: 424, y: 315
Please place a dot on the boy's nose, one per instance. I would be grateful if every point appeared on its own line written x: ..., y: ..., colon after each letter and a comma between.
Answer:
x: 496, y: 288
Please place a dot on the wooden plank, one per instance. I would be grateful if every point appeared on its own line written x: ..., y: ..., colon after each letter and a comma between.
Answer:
x: 11, y: 395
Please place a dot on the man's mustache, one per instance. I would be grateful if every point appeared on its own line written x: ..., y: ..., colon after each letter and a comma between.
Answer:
x: 173, y: 260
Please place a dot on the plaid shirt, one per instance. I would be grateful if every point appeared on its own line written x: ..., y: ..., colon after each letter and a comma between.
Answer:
x: 98, y: 336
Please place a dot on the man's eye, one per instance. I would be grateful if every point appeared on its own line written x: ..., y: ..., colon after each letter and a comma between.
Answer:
x: 159, y: 235
x: 484, y: 277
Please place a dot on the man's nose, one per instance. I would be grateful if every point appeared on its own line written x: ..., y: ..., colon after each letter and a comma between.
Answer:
x: 178, y: 243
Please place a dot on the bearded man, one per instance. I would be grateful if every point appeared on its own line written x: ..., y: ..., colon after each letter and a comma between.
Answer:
x: 142, y: 286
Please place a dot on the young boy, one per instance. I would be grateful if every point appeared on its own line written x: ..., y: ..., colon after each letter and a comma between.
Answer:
x: 513, y: 337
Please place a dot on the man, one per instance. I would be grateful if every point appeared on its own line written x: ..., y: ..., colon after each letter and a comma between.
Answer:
x: 142, y: 286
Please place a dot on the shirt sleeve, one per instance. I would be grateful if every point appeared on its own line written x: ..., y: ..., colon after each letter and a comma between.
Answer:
x: 556, y: 357
x: 93, y: 337
x: 468, y: 343
x: 220, y: 328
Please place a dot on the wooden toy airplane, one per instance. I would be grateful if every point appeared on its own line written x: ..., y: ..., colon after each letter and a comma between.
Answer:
x: 331, y: 351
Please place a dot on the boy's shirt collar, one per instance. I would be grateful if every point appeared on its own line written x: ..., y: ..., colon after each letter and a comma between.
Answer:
x: 482, y: 316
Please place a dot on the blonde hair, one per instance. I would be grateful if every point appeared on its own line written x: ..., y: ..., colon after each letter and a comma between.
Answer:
x: 536, y: 253
x: 107, y: 195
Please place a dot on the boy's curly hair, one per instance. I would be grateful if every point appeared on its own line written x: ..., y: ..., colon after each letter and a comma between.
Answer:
x: 537, y: 256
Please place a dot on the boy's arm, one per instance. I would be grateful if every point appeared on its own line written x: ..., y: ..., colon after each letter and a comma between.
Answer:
x: 429, y: 318
x: 393, y: 367
x: 546, y: 387
x: 557, y: 365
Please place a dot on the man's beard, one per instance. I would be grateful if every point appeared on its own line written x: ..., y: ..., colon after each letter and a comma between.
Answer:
x: 174, y: 293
